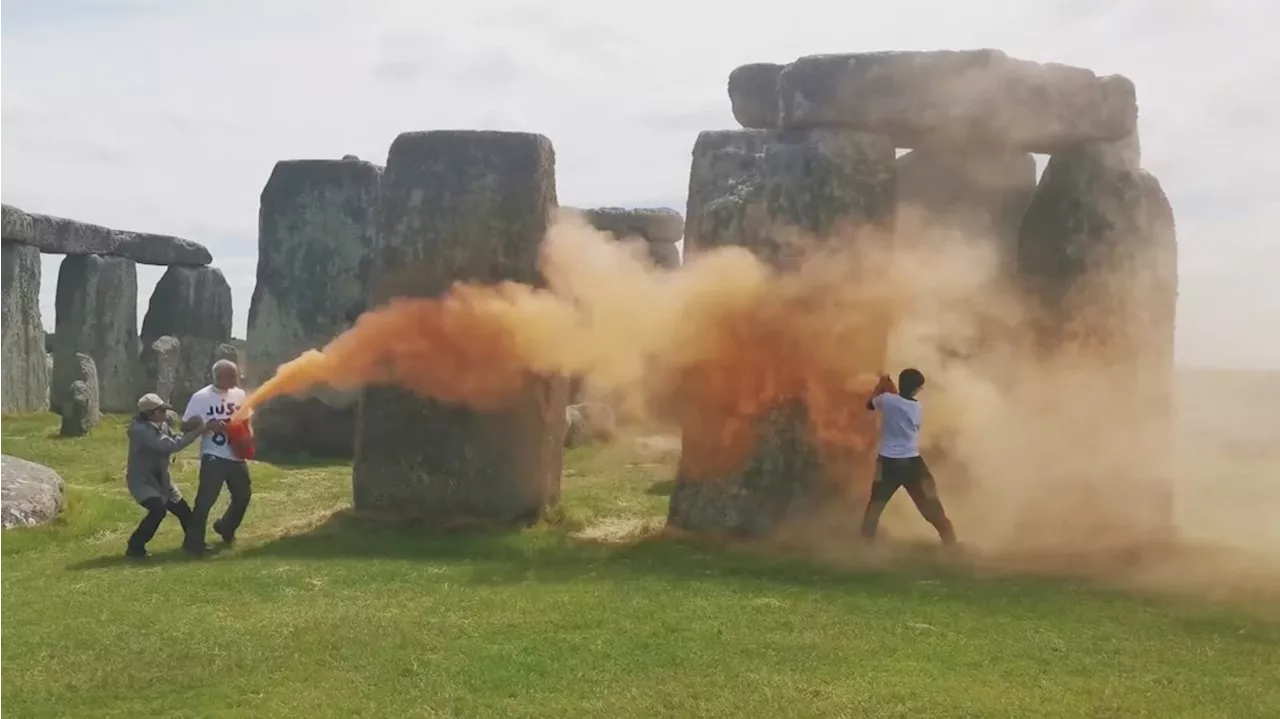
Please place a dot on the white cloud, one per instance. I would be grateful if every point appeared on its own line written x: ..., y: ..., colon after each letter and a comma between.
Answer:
x: 167, y: 116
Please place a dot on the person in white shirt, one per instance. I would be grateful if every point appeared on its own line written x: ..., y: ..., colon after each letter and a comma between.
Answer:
x: 899, y: 463
x: 219, y: 464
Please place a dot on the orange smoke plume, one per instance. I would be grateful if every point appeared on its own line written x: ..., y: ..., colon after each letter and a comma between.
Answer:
x: 711, y: 346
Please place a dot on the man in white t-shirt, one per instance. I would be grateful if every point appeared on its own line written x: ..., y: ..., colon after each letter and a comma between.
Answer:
x: 899, y: 463
x: 219, y: 464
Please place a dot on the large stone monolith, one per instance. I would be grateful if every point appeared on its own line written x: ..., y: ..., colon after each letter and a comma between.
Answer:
x: 26, y: 374
x: 193, y: 306
x: 461, y: 205
x: 1097, y: 256
x: 758, y: 189
x: 962, y: 98
x: 62, y: 236
x: 316, y: 226
x: 97, y: 315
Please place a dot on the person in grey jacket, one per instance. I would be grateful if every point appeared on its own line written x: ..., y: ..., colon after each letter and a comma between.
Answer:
x: 152, y: 445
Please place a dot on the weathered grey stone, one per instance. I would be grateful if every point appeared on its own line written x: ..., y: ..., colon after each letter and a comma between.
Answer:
x: 30, y: 493
x: 962, y: 98
x: 61, y: 236
x: 745, y: 186
x: 659, y: 227
x: 461, y: 205
x: 652, y: 224
x: 192, y: 305
x: 96, y: 314
x: 81, y: 411
x: 189, y: 302
x: 665, y: 255
x: 1098, y: 259
x: 750, y: 188
x: 17, y: 224
x: 782, y: 478
x: 981, y: 193
x: 26, y: 375
x: 753, y: 94
x: 589, y: 422
x: 1079, y: 224
x: 316, y: 228
x: 161, y: 361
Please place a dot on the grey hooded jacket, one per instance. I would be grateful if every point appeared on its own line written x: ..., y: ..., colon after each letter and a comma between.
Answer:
x: 150, y: 449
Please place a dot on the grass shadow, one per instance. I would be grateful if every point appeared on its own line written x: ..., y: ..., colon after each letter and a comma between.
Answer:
x: 496, y: 556
x: 661, y: 488
x: 302, y: 461
x: 116, y: 561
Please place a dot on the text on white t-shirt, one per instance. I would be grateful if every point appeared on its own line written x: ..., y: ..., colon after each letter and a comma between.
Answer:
x: 214, y: 404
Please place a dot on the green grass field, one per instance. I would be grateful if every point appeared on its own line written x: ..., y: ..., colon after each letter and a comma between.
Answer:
x: 317, y: 612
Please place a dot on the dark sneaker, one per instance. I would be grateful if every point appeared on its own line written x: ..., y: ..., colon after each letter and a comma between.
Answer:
x: 197, y: 552
x: 227, y: 538
x: 133, y: 553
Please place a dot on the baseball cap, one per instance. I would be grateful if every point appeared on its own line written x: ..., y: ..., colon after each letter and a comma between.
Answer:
x: 150, y: 402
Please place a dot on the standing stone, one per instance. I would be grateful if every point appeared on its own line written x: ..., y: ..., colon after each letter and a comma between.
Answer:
x: 660, y: 227
x: 1078, y: 231
x: 980, y: 193
x: 747, y: 186
x: 1097, y: 257
x: 161, y: 362
x: 781, y: 479
x: 96, y: 315
x: 754, y: 189
x: 81, y: 411
x: 31, y: 493
x: 193, y: 306
x: 26, y: 376
x: 461, y: 205
x: 316, y: 229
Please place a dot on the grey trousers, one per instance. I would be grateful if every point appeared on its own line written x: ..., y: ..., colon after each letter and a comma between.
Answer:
x: 215, y: 472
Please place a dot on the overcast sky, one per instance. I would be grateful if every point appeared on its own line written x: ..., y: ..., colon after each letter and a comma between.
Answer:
x: 168, y: 115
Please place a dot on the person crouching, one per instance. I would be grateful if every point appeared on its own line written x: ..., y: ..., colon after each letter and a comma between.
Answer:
x: 152, y: 445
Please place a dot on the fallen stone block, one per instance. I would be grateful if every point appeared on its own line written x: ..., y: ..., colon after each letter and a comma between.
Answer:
x: 30, y: 493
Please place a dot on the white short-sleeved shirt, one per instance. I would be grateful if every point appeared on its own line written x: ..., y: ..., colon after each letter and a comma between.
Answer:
x: 899, y: 425
x: 212, y: 403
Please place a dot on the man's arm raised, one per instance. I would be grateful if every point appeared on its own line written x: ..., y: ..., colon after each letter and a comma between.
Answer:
x: 885, y: 385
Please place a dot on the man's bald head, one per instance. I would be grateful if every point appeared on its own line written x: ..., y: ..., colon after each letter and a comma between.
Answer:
x: 225, y: 374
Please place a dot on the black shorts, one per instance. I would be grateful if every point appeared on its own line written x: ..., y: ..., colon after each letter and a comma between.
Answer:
x: 909, y: 472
